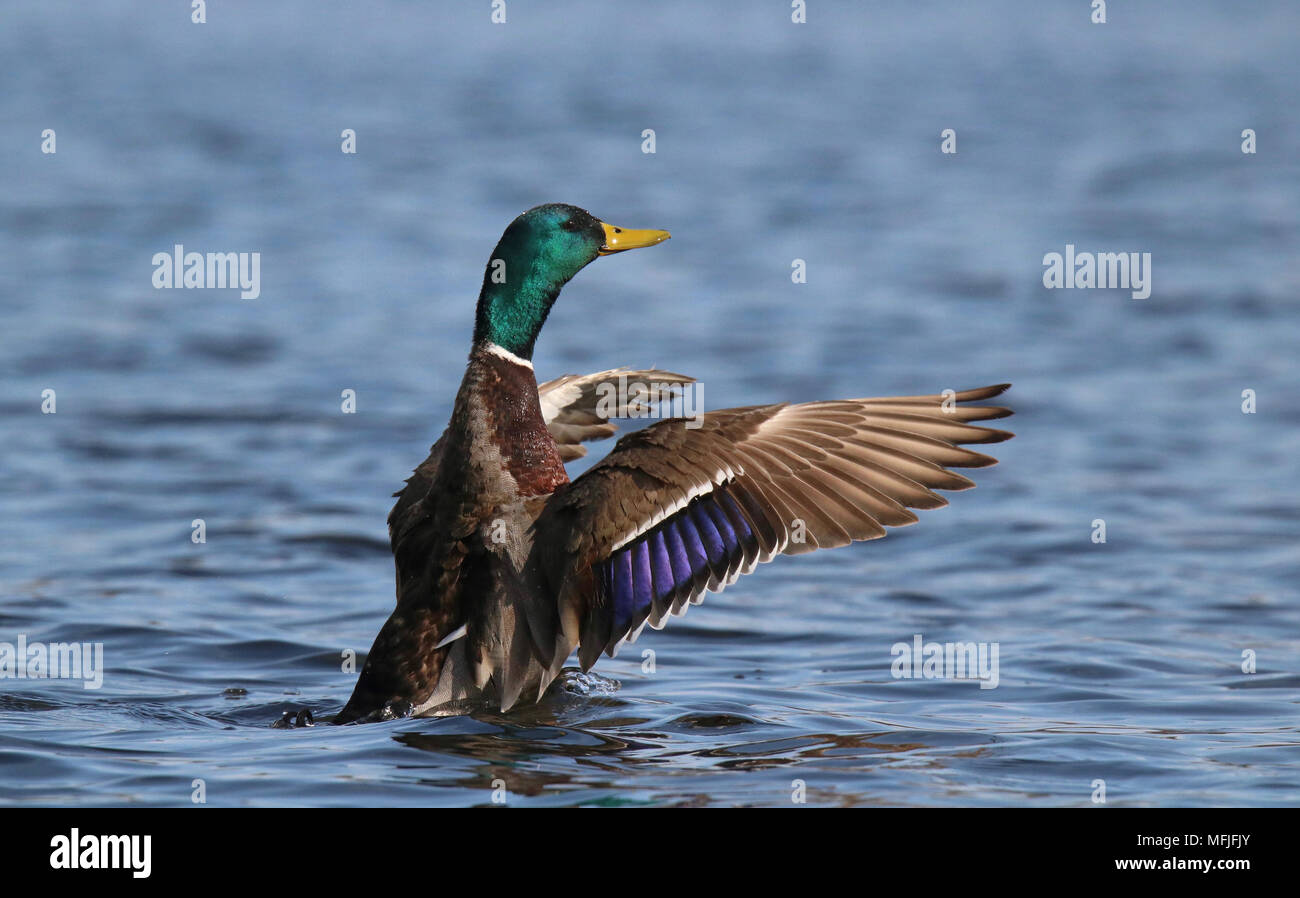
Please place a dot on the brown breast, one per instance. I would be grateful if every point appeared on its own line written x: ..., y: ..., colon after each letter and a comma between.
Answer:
x: 514, y: 419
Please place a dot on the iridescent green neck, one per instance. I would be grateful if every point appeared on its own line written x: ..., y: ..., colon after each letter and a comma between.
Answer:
x: 511, y: 314
x: 532, y: 262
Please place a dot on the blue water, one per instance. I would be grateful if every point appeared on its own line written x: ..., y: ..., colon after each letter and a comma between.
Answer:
x: 1119, y: 661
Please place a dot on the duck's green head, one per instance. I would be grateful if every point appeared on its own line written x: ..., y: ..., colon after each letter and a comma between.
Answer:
x: 535, y: 258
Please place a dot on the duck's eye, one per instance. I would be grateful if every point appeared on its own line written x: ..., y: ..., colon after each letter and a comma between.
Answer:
x: 569, y: 225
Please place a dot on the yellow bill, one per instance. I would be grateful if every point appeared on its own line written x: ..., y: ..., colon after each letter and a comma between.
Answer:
x: 619, y: 239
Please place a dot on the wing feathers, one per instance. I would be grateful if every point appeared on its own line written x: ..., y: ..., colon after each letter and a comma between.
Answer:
x: 578, y: 408
x: 673, y: 512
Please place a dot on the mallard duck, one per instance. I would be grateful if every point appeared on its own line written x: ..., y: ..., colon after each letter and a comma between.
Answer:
x: 505, y: 566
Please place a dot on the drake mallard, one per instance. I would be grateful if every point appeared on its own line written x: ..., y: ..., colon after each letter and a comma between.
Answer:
x: 505, y: 566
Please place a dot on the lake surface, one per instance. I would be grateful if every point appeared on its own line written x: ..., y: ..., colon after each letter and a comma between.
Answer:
x: 1119, y: 661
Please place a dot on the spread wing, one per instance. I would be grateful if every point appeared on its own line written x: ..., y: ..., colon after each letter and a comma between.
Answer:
x: 673, y: 512
x: 576, y: 408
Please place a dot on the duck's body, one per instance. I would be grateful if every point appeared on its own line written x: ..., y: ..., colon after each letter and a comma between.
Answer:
x: 504, y: 567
